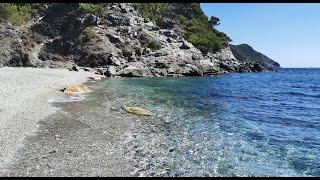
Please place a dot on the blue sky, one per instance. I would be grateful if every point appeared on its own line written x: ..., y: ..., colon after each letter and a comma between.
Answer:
x: 287, y: 33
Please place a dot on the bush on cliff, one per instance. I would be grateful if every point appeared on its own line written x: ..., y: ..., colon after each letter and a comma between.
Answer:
x: 89, y: 34
x: 154, y: 45
x: 18, y: 13
x: 193, y: 23
x: 91, y: 8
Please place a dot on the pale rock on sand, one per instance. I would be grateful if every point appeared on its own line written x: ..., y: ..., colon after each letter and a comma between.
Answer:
x: 96, y: 77
x: 24, y: 95
x: 137, y: 111
x: 76, y: 89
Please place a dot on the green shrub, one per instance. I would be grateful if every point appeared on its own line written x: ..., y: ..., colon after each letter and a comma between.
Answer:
x: 89, y: 34
x: 193, y: 23
x: 16, y: 13
x: 161, y: 23
x: 148, y: 10
x: 91, y: 8
x: 154, y: 45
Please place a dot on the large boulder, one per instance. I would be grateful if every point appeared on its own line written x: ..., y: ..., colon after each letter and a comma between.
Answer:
x: 191, y: 70
x: 133, y: 71
x: 112, y: 71
x: 207, y: 67
x: 90, y: 20
x: 114, y: 38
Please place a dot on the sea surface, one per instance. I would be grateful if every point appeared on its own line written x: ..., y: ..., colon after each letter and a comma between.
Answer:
x: 237, y: 124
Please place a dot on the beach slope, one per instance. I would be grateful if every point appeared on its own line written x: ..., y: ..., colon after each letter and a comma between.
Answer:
x: 24, y: 96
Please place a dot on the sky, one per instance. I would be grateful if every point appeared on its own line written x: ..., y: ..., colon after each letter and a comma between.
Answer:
x: 287, y: 33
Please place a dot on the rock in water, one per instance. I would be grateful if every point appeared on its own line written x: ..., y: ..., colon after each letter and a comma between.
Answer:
x: 137, y: 111
x: 76, y: 89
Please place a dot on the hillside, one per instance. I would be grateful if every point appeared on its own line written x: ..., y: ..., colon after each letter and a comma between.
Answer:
x: 189, y: 20
x: 117, y: 39
x: 244, y: 52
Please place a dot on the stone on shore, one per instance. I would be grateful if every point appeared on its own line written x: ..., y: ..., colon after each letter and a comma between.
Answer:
x: 96, y: 78
x: 76, y: 89
x: 137, y: 110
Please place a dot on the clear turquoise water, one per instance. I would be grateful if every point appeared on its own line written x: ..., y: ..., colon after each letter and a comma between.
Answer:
x: 251, y: 124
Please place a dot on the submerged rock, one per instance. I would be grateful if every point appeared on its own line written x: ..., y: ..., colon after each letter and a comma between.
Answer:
x: 76, y: 89
x: 137, y: 110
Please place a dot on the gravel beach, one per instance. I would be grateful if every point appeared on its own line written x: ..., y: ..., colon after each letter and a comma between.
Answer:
x: 24, y: 96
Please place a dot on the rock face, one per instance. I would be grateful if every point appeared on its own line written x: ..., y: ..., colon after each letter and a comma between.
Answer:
x: 118, y: 43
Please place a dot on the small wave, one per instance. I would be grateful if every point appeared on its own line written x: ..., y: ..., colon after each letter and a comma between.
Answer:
x: 313, y: 87
x: 299, y: 94
x: 227, y: 96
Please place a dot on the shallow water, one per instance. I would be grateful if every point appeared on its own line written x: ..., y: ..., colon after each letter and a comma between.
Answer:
x: 252, y: 124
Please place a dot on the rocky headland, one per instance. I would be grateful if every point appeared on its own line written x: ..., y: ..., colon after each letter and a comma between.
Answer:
x: 244, y: 52
x: 117, y: 42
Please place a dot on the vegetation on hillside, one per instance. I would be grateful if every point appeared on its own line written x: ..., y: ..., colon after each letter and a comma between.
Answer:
x: 244, y: 52
x: 190, y: 19
x: 154, y: 45
x: 18, y: 13
x: 91, y: 8
x: 89, y: 34
x: 193, y: 23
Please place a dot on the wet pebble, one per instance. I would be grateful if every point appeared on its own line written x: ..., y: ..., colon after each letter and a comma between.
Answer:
x: 134, y: 136
x: 52, y: 151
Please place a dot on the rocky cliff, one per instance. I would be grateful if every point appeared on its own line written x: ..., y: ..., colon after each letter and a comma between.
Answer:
x: 117, y: 42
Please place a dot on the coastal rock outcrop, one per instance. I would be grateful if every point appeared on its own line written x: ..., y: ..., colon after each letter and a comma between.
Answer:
x: 246, y: 53
x: 118, y: 42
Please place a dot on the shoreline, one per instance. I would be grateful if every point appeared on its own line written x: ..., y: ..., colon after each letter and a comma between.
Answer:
x: 25, y: 94
x: 95, y: 137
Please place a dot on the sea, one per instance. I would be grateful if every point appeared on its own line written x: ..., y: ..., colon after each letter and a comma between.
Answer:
x: 235, y: 124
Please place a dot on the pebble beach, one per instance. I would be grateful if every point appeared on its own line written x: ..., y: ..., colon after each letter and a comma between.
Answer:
x: 24, y: 96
